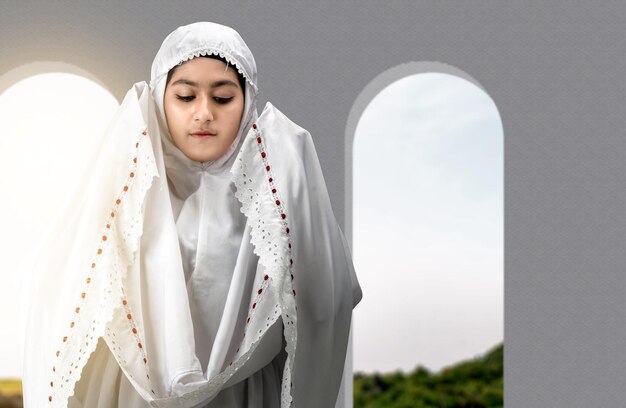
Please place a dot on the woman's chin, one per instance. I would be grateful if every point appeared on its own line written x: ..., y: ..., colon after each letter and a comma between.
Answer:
x: 203, y: 158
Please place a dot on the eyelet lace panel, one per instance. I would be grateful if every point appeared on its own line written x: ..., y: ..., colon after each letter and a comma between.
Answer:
x: 96, y: 303
x: 259, y: 193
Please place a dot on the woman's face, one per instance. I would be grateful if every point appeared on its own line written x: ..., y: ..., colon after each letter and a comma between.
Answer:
x: 203, y: 106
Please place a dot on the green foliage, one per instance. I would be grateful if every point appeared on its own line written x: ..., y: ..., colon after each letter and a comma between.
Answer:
x: 476, y: 383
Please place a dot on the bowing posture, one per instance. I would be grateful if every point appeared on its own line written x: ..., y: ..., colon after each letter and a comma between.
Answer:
x: 203, y: 266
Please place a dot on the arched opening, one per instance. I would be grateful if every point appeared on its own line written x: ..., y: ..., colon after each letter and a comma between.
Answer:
x: 51, y: 117
x: 425, y: 186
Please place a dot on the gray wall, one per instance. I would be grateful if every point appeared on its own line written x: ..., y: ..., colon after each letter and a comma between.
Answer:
x: 556, y: 72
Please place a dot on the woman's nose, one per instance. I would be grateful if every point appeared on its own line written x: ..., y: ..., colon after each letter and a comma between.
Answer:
x: 203, y: 110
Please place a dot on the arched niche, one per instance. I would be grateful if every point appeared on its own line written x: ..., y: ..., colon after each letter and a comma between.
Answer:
x: 52, y: 115
x: 408, y: 292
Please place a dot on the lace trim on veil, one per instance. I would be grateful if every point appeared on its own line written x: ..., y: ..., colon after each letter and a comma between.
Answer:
x: 116, y: 251
x: 259, y: 193
x: 210, y: 50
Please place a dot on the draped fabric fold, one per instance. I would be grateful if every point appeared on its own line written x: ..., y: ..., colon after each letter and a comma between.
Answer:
x: 184, y: 284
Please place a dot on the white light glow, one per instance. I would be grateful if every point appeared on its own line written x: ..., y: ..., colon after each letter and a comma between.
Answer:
x: 50, y: 126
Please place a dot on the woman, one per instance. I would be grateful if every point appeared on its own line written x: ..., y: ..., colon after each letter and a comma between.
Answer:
x: 204, y: 266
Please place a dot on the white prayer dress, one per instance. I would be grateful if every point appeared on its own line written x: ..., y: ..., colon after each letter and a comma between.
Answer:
x: 173, y: 283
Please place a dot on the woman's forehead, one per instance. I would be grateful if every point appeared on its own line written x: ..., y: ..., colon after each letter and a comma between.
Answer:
x: 204, y: 70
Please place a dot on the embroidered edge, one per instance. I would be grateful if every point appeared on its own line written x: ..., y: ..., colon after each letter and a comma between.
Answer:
x: 277, y: 260
x: 97, y: 326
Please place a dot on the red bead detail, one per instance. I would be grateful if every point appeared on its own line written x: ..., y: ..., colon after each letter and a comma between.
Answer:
x: 71, y: 325
x: 108, y: 226
x: 93, y: 265
x: 82, y: 295
x: 287, y: 230
x: 124, y: 302
x: 144, y: 133
x: 273, y: 191
x: 283, y: 216
x: 258, y: 139
x: 263, y: 155
x: 139, y: 345
x: 254, y: 126
x: 145, y: 360
x: 271, y: 179
x: 104, y: 237
x: 254, y: 306
x: 289, y: 245
x: 132, y: 174
x: 50, y: 398
x: 51, y: 384
x: 136, y: 144
x: 88, y: 280
x: 118, y: 201
x: 248, y: 321
x: 77, y: 310
x: 134, y: 161
x: 134, y: 330
x: 277, y: 202
x: 266, y: 277
x: 64, y: 339
x: 267, y: 168
x: 99, y: 251
x: 128, y: 316
x: 57, y: 353
x: 260, y: 291
x: 126, y: 187
x: 54, y: 369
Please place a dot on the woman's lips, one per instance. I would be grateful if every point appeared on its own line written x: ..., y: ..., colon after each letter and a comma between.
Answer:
x: 203, y: 135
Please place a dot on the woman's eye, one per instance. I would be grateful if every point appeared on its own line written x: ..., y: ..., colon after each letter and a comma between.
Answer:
x: 222, y: 100
x: 185, y: 98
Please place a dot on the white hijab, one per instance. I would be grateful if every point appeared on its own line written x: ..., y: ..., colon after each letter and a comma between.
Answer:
x: 188, y: 270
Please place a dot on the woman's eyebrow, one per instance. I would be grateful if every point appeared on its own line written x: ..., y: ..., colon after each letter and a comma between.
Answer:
x: 223, y: 82
x: 183, y: 81
x: 217, y: 84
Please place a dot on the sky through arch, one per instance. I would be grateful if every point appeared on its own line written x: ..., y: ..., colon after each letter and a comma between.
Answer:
x: 428, y: 224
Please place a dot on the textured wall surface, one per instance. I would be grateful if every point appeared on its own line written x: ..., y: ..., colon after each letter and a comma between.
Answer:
x: 556, y: 72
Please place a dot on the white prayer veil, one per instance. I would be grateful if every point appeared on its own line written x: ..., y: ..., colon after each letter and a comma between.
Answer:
x: 185, y: 43
x: 125, y: 267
